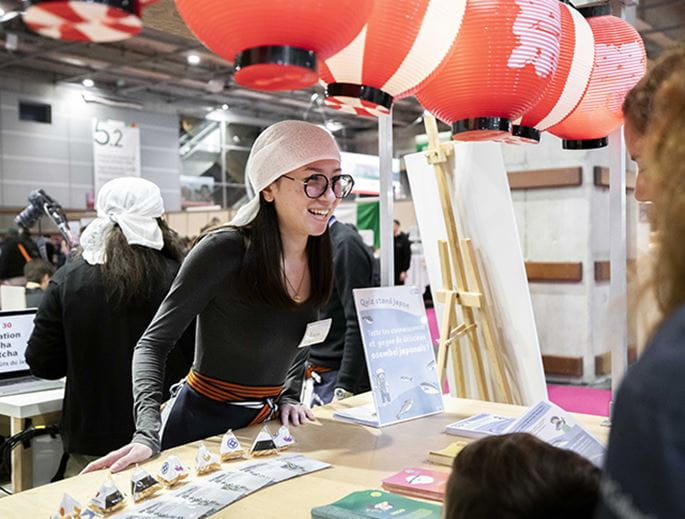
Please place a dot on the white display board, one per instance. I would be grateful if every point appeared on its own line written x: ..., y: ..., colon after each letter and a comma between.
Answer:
x: 116, y: 151
x: 484, y: 208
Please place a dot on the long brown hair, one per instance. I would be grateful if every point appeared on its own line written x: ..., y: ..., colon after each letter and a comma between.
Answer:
x: 261, y: 277
x: 666, y: 155
x: 638, y: 106
x: 132, y: 273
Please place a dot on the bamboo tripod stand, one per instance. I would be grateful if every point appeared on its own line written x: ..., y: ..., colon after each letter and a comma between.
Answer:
x: 460, y: 271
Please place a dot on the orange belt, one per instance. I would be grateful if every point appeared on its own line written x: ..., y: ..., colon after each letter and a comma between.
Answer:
x: 255, y: 397
x: 313, y: 368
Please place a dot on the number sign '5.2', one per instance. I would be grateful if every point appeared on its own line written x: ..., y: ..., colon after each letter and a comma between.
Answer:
x: 108, y: 137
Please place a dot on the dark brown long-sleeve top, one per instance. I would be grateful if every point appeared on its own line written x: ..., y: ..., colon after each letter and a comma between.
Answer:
x: 236, y: 341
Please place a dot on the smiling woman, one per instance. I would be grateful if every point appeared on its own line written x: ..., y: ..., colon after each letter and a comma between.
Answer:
x: 254, y: 286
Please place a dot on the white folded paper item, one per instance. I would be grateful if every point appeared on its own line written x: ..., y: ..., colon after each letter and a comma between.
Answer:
x: 480, y: 425
x: 230, y: 447
x: 364, y: 414
x: 283, y: 439
x: 205, y: 461
x: 263, y: 444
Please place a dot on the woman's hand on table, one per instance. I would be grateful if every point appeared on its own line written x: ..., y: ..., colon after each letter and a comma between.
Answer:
x: 121, y: 458
x: 296, y: 414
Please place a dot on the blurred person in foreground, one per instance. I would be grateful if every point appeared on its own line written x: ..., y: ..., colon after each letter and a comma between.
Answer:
x: 94, y: 311
x: 518, y: 476
x: 645, y: 465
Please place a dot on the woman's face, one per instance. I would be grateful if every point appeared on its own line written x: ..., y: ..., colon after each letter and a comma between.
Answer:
x: 299, y: 215
x: 645, y: 186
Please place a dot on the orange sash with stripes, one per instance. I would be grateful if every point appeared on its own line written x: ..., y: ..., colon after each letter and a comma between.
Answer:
x: 313, y: 368
x: 222, y: 391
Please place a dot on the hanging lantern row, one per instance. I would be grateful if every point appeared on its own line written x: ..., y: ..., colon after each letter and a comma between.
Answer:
x: 502, y: 61
x: 568, y: 84
x: 85, y: 20
x: 275, y: 44
x: 619, y: 63
x: 478, y: 65
x: 399, y: 47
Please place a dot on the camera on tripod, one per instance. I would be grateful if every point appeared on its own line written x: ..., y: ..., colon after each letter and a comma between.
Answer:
x: 41, y: 203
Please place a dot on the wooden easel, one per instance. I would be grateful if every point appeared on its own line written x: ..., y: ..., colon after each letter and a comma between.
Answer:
x: 457, y: 256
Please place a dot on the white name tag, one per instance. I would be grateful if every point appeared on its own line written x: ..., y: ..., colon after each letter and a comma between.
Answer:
x: 316, y: 332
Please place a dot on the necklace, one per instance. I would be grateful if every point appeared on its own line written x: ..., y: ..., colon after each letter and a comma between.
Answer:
x: 296, y: 297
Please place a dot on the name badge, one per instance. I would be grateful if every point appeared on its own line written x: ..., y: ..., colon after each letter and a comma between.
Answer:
x: 316, y: 332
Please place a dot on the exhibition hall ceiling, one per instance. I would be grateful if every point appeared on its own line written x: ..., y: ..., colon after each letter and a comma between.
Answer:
x: 154, y: 67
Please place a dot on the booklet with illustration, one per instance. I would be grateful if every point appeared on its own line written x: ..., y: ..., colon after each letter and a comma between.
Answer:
x: 376, y: 504
x: 399, y: 354
x: 552, y: 424
x: 418, y: 482
x: 480, y: 425
x: 546, y: 420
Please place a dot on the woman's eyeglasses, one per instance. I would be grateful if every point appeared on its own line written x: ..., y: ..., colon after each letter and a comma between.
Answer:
x: 317, y: 184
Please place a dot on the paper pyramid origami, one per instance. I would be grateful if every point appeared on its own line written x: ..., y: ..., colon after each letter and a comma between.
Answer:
x: 172, y: 471
x: 205, y: 461
x: 230, y: 447
x: 143, y: 484
x: 263, y: 444
x: 109, y: 498
x: 283, y: 439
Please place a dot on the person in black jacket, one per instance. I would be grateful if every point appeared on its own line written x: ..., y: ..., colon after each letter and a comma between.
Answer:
x: 15, y: 251
x: 337, y: 367
x: 94, y: 311
x: 402, y: 253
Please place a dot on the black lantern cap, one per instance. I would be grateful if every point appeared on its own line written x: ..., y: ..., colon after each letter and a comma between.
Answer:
x: 277, y: 55
x: 481, y: 123
x: 365, y: 92
x: 585, y: 144
x: 526, y: 132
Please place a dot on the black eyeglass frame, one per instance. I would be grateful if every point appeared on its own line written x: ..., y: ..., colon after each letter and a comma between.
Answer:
x: 333, y: 181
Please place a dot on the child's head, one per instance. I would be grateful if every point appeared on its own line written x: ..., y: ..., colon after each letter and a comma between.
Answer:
x: 517, y: 476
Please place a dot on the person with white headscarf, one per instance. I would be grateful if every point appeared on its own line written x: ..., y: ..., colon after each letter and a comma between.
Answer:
x: 95, y: 309
x: 255, y: 286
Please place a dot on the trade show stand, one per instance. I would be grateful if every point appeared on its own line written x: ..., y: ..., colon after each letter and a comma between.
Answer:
x: 360, y: 457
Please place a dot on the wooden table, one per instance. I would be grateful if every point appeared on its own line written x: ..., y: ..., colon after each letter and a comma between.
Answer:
x: 43, y: 408
x: 361, y: 458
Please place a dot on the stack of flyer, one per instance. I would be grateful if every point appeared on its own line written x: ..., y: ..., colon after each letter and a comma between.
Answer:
x: 545, y: 420
x: 418, y: 482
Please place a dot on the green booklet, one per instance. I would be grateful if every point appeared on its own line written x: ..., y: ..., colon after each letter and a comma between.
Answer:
x: 377, y: 504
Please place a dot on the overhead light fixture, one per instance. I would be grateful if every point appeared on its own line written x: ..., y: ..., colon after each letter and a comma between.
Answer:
x: 224, y: 106
x: 88, y: 83
x: 193, y: 59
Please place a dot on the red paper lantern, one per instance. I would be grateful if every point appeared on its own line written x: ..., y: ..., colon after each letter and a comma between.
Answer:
x: 275, y: 44
x: 620, y: 62
x: 403, y: 42
x: 569, y: 81
x: 502, y: 61
x: 85, y: 20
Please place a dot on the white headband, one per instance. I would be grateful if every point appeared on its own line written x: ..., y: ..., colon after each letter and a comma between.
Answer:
x: 134, y: 204
x: 280, y: 149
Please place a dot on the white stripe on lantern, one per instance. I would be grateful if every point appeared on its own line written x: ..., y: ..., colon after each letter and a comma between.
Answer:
x: 88, y: 11
x: 438, y: 31
x: 578, y: 76
x: 346, y: 65
x: 48, y: 32
x: 38, y: 15
x: 99, y: 32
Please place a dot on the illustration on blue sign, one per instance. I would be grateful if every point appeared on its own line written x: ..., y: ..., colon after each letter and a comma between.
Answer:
x: 399, y: 353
